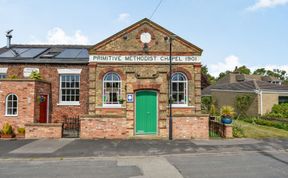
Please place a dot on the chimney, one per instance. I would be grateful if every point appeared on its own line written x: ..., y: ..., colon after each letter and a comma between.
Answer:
x: 9, y: 36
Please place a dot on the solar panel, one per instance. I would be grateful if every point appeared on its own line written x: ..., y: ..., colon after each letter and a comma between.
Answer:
x: 23, y: 52
x: 9, y: 53
x: 73, y: 53
x: 83, y: 54
x: 33, y: 52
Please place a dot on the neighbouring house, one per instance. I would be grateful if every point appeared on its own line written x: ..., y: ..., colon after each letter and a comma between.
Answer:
x: 264, y: 95
x: 118, y: 87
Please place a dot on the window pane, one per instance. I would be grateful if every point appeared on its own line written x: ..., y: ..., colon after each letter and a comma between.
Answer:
x: 174, y: 86
x: 181, y: 87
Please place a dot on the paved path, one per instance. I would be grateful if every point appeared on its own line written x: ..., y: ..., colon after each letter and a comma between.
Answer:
x: 42, y: 146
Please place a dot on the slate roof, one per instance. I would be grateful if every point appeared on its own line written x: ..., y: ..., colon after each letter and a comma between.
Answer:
x: 250, y: 85
x: 67, y: 54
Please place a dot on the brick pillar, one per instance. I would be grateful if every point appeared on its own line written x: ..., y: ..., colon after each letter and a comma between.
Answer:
x: 228, y: 131
x: 92, y: 88
x: 197, y: 80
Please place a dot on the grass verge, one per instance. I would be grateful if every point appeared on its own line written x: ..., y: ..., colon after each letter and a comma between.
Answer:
x: 259, y: 131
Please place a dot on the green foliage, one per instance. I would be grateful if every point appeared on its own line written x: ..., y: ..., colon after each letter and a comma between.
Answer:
x: 238, y: 131
x: 13, y: 77
x: 212, y: 110
x: 261, y: 121
x: 21, y: 130
x: 227, y: 111
x: 223, y: 74
x: 279, y: 110
x: 243, y: 103
x: 242, y: 70
x: 206, y: 101
x: 210, y: 78
x: 35, y: 75
x: 260, y: 71
x: 7, y: 129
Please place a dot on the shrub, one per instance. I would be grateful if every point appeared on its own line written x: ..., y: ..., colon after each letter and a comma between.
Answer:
x: 212, y: 111
x: 21, y: 130
x: 238, y: 131
x: 279, y: 110
x: 206, y: 102
x: 7, y: 129
x: 35, y: 75
x: 260, y: 121
x: 243, y: 103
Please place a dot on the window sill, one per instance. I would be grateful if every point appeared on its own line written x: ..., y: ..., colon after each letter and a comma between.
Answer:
x: 11, y: 115
x: 112, y: 106
x: 68, y: 104
x: 181, y: 106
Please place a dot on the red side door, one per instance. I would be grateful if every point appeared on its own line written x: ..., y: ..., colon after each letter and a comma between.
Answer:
x: 43, y: 108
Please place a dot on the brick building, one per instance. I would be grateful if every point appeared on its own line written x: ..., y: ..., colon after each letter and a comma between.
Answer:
x: 118, y: 87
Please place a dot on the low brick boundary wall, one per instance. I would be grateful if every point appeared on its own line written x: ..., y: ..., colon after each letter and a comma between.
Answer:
x: 43, y: 130
x: 109, y: 127
x: 191, y: 127
x: 224, y: 130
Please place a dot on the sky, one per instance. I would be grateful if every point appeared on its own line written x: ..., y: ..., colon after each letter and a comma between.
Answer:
x: 231, y: 32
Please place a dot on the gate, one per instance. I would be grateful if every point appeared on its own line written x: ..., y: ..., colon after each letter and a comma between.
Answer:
x: 213, y: 129
x: 71, y: 127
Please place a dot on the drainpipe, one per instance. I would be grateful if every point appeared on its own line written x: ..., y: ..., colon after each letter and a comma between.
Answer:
x: 261, y: 103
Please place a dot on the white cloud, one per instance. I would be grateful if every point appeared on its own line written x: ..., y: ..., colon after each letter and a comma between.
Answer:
x: 123, y: 17
x: 262, y: 4
x: 229, y: 64
x: 58, y: 36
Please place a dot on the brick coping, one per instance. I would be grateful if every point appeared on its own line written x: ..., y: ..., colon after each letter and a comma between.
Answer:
x: 190, y: 115
x: 101, y: 116
x: 23, y: 80
x: 44, y: 124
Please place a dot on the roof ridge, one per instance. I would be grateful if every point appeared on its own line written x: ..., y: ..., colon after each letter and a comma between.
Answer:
x: 256, y: 84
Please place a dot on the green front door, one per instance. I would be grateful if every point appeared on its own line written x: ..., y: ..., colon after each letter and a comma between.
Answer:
x: 146, y: 112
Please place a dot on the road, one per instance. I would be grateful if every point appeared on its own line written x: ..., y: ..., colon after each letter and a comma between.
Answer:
x: 255, y: 164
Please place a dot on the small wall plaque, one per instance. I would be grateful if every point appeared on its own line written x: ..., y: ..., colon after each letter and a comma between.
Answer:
x: 130, y: 98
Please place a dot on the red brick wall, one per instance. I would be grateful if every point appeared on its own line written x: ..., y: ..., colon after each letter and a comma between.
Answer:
x: 49, y: 73
x: 194, y: 127
x: 25, y: 93
x: 41, y: 130
x: 28, y: 107
x: 108, y: 127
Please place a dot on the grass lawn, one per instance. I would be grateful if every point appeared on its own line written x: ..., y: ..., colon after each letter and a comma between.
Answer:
x: 259, y: 131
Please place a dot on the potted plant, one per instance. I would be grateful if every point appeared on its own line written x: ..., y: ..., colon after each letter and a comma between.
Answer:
x: 227, y: 112
x: 7, y: 131
x: 212, y: 112
x: 20, y: 132
x: 121, y: 100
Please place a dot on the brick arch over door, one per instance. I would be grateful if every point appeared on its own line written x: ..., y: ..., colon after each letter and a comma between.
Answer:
x: 118, y: 71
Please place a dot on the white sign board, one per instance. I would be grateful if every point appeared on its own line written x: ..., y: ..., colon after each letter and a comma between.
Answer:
x: 28, y: 71
x: 130, y: 98
x: 143, y: 59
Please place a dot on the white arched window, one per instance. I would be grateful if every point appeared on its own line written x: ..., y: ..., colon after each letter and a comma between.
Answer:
x: 112, y: 89
x: 179, y: 89
x: 11, y: 105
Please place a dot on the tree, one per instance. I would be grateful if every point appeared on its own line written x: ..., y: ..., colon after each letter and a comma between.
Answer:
x: 242, y: 70
x: 206, y: 78
x: 260, y: 71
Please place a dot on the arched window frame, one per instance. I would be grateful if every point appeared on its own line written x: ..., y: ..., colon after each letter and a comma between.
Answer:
x: 176, y: 102
x: 119, y: 91
x: 12, y: 106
